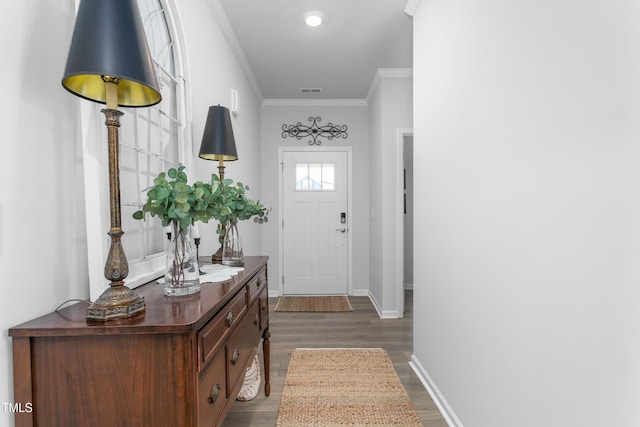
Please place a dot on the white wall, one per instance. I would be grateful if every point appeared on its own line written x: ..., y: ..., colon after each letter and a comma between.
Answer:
x: 350, y: 113
x: 42, y: 225
x: 527, y: 147
x: 42, y: 216
x: 214, y: 72
x: 390, y: 109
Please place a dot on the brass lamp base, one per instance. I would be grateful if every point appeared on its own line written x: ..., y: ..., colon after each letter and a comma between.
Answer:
x: 217, y: 257
x: 117, y: 302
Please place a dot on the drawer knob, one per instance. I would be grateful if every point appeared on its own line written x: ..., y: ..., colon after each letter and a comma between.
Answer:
x: 235, y: 357
x: 264, y: 305
x: 215, y: 392
x: 259, y: 281
x: 230, y: 317
x: 257, y: 320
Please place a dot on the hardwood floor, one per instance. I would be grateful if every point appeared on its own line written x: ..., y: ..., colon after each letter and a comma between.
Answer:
x: 360, y: 328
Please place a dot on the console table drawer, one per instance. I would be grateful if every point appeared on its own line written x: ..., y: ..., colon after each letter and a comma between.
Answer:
x: 257, y: 284
x: 217, y: 330
x: 212, y: 391
x: 240, y: 347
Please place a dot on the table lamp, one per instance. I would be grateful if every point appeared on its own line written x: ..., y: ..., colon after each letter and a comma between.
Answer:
x: 218, y: 144
x: 109, y: 63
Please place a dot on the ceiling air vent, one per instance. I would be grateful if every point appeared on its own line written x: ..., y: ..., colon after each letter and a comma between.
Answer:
x: 310, y: 90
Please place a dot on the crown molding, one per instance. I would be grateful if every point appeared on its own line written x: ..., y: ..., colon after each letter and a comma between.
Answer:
x: 314, y: 103
x: 411, y: 7
x: 395, y: 73
x: 388, y: 73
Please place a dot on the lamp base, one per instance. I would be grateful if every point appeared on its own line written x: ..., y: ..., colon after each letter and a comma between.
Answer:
x: 117, y: 302
x: 217, y: 257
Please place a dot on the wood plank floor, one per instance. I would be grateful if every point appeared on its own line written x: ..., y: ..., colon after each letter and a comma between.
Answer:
x: 360, y: 328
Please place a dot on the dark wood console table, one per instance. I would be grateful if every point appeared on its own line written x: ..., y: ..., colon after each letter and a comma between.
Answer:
x: 180, y: 364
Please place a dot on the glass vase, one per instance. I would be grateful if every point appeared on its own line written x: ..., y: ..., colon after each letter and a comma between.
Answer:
x: 232, y: 254
x: 182, y: 275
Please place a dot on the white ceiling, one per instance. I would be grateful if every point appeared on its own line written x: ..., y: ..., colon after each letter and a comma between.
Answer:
x: 340, y: 57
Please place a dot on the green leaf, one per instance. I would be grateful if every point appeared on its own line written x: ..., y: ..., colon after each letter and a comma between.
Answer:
x: 182, y: 207
x: 181, y: 187
x: 173, y: 173
x: 158, y: 193
x: 182, y: 198
x: 138, y: 215
x: 160, y: 180
x: 162, y: 193
x: 184, y: 225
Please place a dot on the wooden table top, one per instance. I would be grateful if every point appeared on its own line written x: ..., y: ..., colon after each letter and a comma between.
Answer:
x: 168, y: 314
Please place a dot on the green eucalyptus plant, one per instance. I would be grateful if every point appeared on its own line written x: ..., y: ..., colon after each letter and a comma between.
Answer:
x: 173, y: 200
x: 235, y: 206
x: 178, y: 204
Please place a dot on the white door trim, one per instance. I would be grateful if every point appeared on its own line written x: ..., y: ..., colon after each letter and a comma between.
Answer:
x: 288, y: 149
x: 400, y: 135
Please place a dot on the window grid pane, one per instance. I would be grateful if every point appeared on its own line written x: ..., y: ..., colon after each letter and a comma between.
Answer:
x: 152, y: 144
x: 328, y: 177
x: 315, y: 177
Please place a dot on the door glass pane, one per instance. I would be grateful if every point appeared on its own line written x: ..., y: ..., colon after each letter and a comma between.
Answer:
x: 328, y: 177
x: 302, y: 176
x: 315, y: 177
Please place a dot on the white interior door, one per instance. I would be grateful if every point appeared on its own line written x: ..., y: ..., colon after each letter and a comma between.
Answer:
x: 315, y: 222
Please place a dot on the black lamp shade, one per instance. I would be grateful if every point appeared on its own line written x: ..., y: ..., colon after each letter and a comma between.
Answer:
x: 109, y: 40
x: 218, y: 142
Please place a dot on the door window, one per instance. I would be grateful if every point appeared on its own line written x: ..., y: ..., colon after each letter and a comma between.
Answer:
x: 315, y: 177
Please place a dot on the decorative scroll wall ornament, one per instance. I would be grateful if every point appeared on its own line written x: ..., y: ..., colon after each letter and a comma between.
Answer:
x: 328, y: 131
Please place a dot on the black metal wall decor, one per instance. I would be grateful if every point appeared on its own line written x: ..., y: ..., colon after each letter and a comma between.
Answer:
x: 314, y: 131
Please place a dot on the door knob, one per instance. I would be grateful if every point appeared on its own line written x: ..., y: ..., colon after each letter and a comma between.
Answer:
x: 342, y: 230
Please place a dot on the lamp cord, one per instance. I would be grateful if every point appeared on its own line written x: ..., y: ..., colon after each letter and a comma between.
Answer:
x: 71, y: 300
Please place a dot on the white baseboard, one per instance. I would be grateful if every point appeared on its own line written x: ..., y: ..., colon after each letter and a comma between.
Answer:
x: 442, y: 404
x: 389, y: 314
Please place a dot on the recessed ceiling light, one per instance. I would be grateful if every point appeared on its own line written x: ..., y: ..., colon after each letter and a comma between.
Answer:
x: 313, y: 19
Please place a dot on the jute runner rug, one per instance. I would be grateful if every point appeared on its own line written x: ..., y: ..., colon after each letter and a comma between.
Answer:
x: 344, y: 387
x: 314, y: 304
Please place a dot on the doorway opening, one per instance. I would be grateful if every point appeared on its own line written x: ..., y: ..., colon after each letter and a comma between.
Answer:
x: 404, y: 223
x: 408, y: 211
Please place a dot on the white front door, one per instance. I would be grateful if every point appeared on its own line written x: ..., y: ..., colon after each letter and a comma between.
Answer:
x: 315, y: 222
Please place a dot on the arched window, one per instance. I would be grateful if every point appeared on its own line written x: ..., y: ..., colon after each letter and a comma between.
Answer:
x: 152, y: 140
